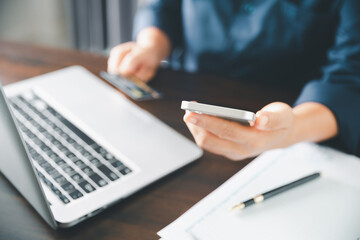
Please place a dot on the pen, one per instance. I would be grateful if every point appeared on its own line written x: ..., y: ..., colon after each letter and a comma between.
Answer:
x: 271, y: 193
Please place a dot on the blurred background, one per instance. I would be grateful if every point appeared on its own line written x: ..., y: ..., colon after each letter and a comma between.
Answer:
x: 89, y: 25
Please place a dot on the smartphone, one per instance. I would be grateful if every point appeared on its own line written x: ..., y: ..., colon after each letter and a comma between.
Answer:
x: 242, y: 116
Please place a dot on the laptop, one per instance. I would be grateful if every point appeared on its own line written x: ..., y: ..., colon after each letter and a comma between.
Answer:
x: 72, y: 145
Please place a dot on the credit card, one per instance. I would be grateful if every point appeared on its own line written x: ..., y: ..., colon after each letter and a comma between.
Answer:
x: 134, y: 88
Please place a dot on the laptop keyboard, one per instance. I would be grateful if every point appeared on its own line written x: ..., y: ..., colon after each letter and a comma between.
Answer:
x: 68, y: 161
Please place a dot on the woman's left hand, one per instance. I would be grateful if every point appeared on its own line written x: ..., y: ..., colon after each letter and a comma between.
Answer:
x: 272, y: 129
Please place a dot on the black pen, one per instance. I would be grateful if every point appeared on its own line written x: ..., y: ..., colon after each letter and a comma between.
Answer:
x: 271, y: 193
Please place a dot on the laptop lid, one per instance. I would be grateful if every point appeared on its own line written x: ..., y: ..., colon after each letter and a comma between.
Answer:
x: 16, y: 166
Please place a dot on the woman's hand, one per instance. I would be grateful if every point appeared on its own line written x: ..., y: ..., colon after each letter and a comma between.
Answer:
x: 277, y: 125
x: 140, y: 59
x: 273, y: 125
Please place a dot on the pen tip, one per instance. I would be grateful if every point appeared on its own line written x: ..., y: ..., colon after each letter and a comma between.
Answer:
x: 237, y: 207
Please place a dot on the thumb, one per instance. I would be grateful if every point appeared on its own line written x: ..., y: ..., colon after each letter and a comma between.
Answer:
x: 274, y: 116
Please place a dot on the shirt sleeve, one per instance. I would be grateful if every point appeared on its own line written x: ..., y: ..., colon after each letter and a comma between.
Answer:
x: 339, y: 87
x: 163, y: 14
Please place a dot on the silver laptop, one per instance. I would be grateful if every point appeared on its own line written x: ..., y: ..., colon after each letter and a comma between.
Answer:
x: 72, y: 145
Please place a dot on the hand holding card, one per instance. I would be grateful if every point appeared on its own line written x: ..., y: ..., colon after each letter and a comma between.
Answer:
x: 134, y: 88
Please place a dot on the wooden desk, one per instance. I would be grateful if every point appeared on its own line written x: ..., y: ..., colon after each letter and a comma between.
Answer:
x: 143, y: 214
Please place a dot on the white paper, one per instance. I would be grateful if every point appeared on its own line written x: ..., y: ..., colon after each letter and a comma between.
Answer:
x: 326, y: 208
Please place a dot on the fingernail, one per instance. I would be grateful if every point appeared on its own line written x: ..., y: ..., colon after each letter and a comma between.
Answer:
x: 264, y: 120
x: 192, y: 120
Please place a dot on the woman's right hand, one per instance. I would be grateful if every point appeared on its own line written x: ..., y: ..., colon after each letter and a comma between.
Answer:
x: 140, y: 59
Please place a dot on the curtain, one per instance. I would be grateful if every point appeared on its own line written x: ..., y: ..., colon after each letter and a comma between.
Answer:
x: 98, y: 25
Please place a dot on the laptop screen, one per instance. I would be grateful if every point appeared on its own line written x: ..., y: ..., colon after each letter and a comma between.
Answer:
x: 16, y: 166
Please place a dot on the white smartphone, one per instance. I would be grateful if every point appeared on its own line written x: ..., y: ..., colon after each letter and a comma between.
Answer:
x: 238, y: 115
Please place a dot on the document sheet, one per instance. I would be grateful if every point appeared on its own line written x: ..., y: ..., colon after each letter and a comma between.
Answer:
x: 325, y: 208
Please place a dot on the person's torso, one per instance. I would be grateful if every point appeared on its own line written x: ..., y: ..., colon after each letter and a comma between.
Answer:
x: 257, y: 38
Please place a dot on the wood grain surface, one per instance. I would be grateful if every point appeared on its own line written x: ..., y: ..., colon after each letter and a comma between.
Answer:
x: 146, y: 212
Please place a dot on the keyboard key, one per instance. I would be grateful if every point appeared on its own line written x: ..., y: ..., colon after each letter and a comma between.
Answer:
x: 94, y: 161
x: 49, y: 167
x: 53, y: 173
x: 69, y: 170
x: 65, y: 165
x: 85, y: 153
x: 40, y: 174
x: 95, y: 146
x: 78, y: 147
x: 125, y: 170
x: 38, y: 158
x: 47, y: 181
x: 70, y: 155
x: 68, y: 186
x: 75, y: 194
x: 48, y: 136
x: 117, y: 164
x: 56, y: 143
x: 64, y: 149
x: 98, y: 180
x: 53, y: 155
x: 51, y: 110
x: 45, y: 148
x: 99, y: 149
x: 76, y: 177
x: 79, y: 163
x: 87, y: 170
x: 51, y: 170
x: 49, y: 122
x: 60, y: 179
x: 64, y: 135
x: 59, y: 161
x: 111, y: 160
x: 108, y: 173
x: 87, y: 187
x: 27, y: 116
x: 58, y: 130
x: 41, y: 129
x: 64, y: 199
x: 38, y: 142
x: 108, y: 156
x: 77, y: 131
x: 32, y: 151
x: 30, y: 134
x: 35, y: 124
x: 44, y: 164
x: 56, y: 190
x: 22, y: 127
x: 70, y: 140
x: 41, y: 115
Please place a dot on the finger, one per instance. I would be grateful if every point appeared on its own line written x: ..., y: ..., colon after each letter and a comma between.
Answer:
x: 216, y: 145
x: 145, y: 73
x: 117, y: 54
x: 130, y: 64
x: 192, y: 128
x: 222, y: 128
x: 274, y: 116
x: 243, y: 150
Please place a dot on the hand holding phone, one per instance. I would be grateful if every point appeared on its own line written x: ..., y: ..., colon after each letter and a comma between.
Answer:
x: 242, y: 116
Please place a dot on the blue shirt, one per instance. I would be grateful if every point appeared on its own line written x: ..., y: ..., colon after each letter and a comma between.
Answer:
x: 294, y: 42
